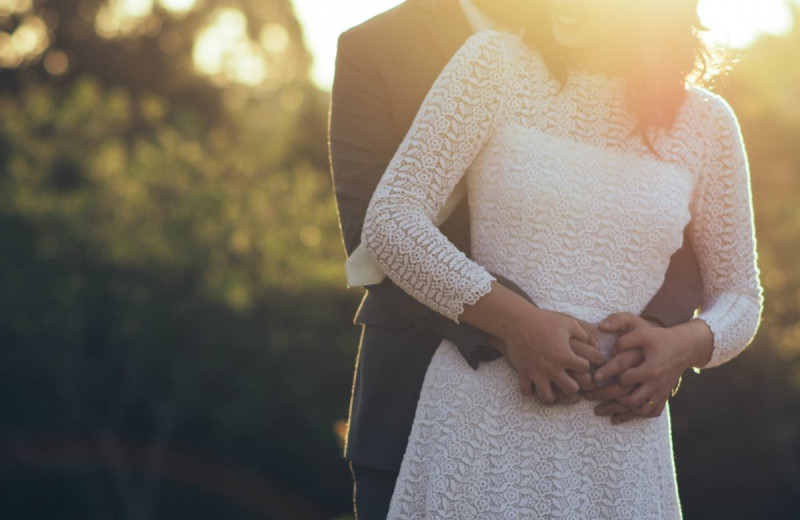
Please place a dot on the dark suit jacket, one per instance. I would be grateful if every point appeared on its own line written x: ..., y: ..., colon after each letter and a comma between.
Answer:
x: 384, y: 68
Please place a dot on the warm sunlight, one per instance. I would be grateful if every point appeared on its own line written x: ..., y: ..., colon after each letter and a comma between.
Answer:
x: 28, y: 40
x: 133, y: 7
x: 738, y: 22
x: 734, y: 22
x: 223, y: 50
x: 8, y: 7
x: 177, y: 6
x: 123, y: 17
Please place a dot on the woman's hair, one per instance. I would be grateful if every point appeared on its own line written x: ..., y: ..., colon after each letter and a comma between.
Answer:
x: 663, y: 55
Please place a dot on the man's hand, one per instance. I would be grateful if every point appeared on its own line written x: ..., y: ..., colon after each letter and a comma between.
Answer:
x: 609, y: 393
x: 648, y: 363
x: 586, y: 349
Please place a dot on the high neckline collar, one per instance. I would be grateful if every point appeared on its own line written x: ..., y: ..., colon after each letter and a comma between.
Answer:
x: 580, y: 73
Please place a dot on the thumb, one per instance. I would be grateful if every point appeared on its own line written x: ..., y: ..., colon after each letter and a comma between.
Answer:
x: 619, y: 321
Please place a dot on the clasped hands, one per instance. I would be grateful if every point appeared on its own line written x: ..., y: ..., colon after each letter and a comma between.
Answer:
x: 643, y: 372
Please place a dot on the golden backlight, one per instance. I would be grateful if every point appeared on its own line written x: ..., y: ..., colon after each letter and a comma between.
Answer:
x: 224, y: 51
x: 734, y: 22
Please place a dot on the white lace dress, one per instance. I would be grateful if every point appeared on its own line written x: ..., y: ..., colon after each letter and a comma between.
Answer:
x: 568, y: 203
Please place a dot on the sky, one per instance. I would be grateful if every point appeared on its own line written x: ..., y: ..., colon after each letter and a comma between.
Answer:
x: 734, y: 22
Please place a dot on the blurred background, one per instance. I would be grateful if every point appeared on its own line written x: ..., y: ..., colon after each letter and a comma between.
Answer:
x: 176, y: 338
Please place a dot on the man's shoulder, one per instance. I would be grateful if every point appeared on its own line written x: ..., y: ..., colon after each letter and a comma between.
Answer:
x: 383, y: 25
x: 391, y: 30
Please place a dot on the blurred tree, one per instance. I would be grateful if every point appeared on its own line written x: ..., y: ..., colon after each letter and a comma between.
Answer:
x: 173, y: 158
x: 164, y: 197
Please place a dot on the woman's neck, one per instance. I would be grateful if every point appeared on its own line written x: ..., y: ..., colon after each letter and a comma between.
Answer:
x: 602, y: 60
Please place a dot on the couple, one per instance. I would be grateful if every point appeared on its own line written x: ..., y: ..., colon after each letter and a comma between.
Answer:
x: 604, y: 196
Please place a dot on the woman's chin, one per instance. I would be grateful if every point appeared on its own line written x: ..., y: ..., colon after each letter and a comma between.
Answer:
x: 571, y: 40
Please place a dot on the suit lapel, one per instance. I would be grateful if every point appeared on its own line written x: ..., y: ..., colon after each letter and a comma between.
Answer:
x: 447, y: 25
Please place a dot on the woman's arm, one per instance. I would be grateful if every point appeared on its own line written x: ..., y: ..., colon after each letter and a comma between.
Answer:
x: 452, y: 125
x: 454, y: 122
x: 723, y: 236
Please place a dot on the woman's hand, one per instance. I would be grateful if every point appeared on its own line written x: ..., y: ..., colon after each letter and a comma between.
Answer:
x: 538, y: 342
x: 667, y: 353
x: 587, y: 350
x: 553, y: 352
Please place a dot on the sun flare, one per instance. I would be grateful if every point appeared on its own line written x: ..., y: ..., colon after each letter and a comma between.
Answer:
x: 731, y: 22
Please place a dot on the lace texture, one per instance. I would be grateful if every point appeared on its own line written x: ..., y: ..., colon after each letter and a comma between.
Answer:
x: 568, y: 203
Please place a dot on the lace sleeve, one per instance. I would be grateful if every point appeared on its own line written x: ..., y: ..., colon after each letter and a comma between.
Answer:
x: 723, y: 236
x: 451, y: 126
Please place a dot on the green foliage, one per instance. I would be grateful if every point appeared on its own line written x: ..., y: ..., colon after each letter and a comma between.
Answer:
x: 234, y: 202
x: 166, y: 276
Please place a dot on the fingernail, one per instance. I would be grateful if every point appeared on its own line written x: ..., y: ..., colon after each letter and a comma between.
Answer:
x: 605, y: 323
x: 599, y: 377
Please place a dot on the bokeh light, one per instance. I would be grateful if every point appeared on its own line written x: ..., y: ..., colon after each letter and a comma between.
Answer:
x: 27, y: 42
x: 56, y: 62
x: 9, y: 7
x: 224, y: 51
x: 178, y: 6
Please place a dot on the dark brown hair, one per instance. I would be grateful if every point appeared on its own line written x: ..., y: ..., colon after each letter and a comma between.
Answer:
x: 664, y: 53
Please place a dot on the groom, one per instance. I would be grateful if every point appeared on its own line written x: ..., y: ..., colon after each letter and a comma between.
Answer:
x: 384, y: 68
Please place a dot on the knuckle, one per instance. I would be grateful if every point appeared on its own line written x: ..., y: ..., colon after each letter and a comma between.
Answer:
x: 634, y: 402
x: 563, y: 359
x: 582, y: 366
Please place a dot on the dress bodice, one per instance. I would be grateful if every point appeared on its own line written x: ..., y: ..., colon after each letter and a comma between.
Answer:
x: 565, y: 198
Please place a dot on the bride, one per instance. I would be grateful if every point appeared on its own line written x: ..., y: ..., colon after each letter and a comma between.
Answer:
x: 587, y: 152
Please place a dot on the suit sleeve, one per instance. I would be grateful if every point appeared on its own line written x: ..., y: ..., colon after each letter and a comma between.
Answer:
x: 723, y: 236
x: 362, y: 136
x: 452, y: 125
x: 682, y: 291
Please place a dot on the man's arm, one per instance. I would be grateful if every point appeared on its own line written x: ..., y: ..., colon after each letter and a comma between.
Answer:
x: 362, y: 136
x: 682, y: 291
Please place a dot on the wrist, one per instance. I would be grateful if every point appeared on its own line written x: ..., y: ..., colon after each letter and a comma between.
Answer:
x: 516, y: 329
x: 701, y: 341
x: 652, y: 320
